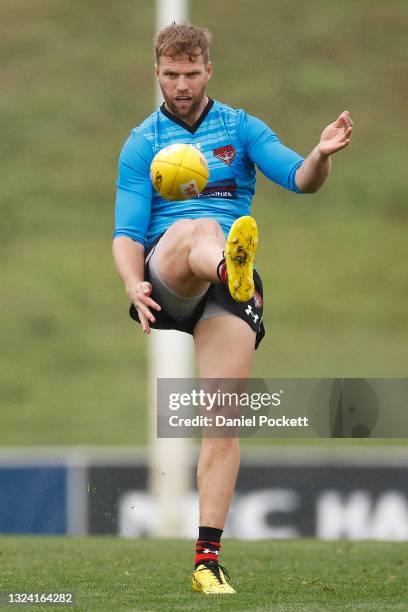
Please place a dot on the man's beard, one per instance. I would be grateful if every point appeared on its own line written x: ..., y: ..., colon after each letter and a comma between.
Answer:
x: 190, y: 111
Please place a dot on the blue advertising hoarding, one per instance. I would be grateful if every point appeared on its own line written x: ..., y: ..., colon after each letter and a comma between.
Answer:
x: 33, y: 499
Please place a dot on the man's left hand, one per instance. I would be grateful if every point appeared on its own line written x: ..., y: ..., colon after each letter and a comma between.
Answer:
x: 337, y: 135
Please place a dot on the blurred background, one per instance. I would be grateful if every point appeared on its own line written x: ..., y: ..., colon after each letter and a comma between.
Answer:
x: 76, y: 77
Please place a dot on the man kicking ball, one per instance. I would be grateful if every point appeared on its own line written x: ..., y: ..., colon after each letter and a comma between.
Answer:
x: 188, y: 265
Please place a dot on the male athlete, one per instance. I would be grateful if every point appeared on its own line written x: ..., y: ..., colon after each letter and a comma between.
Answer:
x: 170, y: 255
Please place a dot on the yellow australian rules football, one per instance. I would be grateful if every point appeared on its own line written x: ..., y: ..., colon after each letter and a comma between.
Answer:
x: 179, y: 172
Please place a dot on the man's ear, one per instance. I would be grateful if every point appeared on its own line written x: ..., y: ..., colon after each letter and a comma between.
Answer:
x: 156, y: 70
x: 209, y: 70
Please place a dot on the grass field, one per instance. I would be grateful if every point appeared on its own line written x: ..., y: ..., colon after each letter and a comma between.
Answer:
x: 114, y: 574
x: 75, y: 78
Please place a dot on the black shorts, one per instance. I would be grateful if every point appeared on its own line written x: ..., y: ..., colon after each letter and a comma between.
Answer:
x: 251, y: 312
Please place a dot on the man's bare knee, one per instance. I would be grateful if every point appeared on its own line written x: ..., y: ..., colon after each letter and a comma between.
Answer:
x: 188, y: 254
x: 176, y: 242
x: 180, y: 232
x: 208, y: 227
x: 185, y: 233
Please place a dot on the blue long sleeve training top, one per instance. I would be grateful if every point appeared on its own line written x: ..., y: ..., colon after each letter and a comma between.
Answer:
x: 233, y: 143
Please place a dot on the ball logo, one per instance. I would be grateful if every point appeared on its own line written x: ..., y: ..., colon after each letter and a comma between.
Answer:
x: 157, y: 180
x: 190, y: 189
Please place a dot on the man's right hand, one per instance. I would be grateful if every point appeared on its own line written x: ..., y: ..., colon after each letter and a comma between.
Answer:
x: 140, y: 296
x: 129, y: 259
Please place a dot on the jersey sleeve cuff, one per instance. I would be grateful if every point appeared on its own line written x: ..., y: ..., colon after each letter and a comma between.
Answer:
x: 135, y: 238
x: 292, y: 178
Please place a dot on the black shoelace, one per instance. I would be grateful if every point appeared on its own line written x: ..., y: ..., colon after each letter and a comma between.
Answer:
x: 215, y: 569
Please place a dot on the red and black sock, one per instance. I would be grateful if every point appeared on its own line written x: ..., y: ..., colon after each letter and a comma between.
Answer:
x: 222, y: 271
x: 208, y: 545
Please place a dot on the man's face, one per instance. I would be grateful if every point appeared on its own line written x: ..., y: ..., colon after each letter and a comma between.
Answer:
x: 183, y: 84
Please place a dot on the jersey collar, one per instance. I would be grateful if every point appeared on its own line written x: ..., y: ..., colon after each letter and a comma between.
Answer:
x: 190, y: 128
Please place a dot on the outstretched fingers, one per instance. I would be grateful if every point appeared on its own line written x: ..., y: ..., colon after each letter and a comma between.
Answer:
x: 143, y: 304
x: 145, y: 316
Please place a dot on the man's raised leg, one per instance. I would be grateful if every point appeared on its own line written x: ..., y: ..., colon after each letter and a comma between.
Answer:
x: 188, y: 254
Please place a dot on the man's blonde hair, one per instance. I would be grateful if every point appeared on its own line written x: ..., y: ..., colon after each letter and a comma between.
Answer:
x: 183, y: 39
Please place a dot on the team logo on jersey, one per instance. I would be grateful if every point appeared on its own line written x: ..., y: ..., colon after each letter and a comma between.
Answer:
x: 225, y: 154
x: 258, y: 300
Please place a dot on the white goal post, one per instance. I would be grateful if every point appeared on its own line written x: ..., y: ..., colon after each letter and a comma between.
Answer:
x: 170, y: 356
